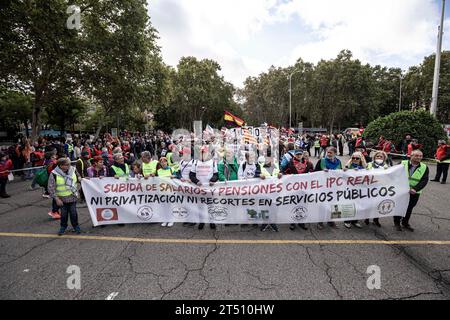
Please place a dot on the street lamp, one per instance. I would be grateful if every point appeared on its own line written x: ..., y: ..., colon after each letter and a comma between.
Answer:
x: 290, y: 97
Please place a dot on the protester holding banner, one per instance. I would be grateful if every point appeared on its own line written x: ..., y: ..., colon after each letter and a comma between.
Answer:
x: 98, y: 169
x: 298, y: 165
x: 248, y: 168
x: 63, y: 188
x: 330, y: 162
x: 119, y: 168
x: 228, y: 170
x: 380, y: 162
x: 268, y: 170
x: 136, y: 170
x: 204, y: 171
x: 418, y: 175
x: 357, y: 162
x: 185, y: 165
x: 148, y: 165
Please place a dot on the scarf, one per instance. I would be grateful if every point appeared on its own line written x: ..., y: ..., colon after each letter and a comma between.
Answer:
x: 332, y: 165
x: 67, y: 178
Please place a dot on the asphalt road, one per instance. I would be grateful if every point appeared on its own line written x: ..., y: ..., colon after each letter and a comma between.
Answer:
x: 119, y: 268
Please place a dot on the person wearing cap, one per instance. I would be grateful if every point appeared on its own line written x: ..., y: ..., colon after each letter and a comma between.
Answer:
x: 204, y: 171
x: 5, y: 165
x: 418, y: 175
x: 63, y: 188
x: 330, y: 162
x: 119, y: 168
x: 442, y: 156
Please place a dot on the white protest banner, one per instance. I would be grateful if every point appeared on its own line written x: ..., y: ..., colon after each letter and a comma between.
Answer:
x: 307, y: 198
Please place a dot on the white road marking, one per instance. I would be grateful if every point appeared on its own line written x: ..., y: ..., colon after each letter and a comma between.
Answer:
x: 26, y: 270
x: 112, y: 296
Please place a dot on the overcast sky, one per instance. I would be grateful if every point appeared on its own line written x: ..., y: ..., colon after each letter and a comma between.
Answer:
x: 246, y: 37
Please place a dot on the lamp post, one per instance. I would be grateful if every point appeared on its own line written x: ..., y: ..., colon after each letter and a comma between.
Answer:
x: 290, y: 97
x: 437, y: 66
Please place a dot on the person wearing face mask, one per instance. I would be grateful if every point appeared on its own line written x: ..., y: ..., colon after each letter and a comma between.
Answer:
x: 268, y: 170
x: 380, y: 162
x: 204, y: 171
x: 330, y: 162
x: 418, y: 176
x: 357, y: 162
x: 185, y: 165
x: 299, y: 165
x: 248, y: 168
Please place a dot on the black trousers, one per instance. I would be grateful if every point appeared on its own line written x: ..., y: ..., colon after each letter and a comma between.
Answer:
x: 413, y: 199
x: 69, y: 209
x: 442, y: 169
x: 3, y: 182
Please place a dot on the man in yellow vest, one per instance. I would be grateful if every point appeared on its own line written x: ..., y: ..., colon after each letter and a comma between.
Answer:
x: 148, y: 165
x: 63, y: 187
x: 418, y: 175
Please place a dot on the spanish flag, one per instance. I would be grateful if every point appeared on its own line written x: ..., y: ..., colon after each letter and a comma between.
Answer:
x: 232, y: 120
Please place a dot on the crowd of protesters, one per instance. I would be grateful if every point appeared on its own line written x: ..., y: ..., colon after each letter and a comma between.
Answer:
x: 144, y: 155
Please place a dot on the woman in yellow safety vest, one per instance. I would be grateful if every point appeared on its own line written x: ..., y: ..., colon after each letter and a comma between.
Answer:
x: 119, y: 169
x: 148, y: 165
x: 63, y: 187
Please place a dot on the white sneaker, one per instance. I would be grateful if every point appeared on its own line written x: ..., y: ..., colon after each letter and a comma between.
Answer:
x: 358, y: 225
x: 170, y: 224
x: 348, y: 225
x: 164, y: 224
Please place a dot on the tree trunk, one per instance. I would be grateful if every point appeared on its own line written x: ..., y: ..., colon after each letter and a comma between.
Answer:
x: 100, y: 126
x: 36, y: 120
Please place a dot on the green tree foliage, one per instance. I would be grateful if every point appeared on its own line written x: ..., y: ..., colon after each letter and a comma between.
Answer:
x: 342, y: 92
x: 197, y: 92
x: 65, y: 112
x: 420, y: 125
x: 15, y: 109
x: 113, y: 59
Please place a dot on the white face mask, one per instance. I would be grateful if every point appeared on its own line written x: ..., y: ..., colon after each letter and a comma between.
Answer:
x: 379, y: 161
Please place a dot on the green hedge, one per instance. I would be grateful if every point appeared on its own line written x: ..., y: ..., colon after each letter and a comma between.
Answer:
x: 420, y: 125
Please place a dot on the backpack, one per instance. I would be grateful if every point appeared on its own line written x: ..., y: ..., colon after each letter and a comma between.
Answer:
x: 41, y: 177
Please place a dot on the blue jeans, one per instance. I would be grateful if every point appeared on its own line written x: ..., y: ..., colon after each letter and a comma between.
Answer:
x: 66, y: 210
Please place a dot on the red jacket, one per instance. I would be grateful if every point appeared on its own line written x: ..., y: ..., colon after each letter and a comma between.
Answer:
x: 441, y: 152
x: 5, y: 166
